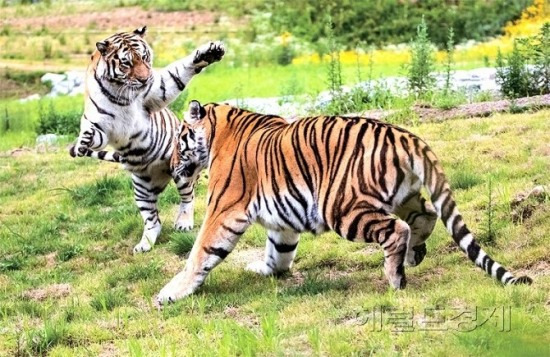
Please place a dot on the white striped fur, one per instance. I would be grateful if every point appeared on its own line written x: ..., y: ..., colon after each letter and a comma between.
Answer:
x: 126, y: 108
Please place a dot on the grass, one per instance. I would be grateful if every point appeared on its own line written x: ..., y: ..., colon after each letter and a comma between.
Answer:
x: 74, y: 222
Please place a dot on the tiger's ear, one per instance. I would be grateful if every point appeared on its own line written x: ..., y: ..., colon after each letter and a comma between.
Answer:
x: 141, y: 31
x: 102, y: 47
x: 196, y: 112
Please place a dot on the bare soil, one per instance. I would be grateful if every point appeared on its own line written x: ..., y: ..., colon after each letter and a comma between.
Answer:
x: 122, y: 18
x: 54, y: 291
x: 472, y: 110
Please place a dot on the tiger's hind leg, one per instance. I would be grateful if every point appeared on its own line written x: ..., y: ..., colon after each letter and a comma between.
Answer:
x: 392, y: 234
x: 280, y: 251
x: 421, y: 217
x: 146, y: 193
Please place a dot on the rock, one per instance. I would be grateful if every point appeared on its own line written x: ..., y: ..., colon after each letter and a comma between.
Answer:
x: 537, y: 191
x: 47, y: 139
x: 29, y: 98
x: 70, y: 83
x: 53, y: 78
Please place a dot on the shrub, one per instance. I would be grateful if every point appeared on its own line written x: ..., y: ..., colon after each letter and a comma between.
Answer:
x: 284, y: 54
x: 515, y: 78
x: 51, y: 121
x: 512, y: 76
x: 538, y: 52
x: 390, y: 21
x: 450, y: 48
x: 420, y: 77
x: 47, y: 49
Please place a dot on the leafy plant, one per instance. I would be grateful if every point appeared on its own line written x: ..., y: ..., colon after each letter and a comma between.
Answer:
x: 284, y: 54
x: 362, y: 19
x: 537, y: 51
x: 420, y: 77
x: 450, y: 48
x: 52, y: 121
x: 512, y: 75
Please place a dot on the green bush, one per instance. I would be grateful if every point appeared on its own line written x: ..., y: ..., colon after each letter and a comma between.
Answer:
x: 515, y: 78
x: 512, y: 74
x: 52, y: 121
x: 420, y: 77
x: 538, y: 52
x: 391, y: 21
x: 284, y: 55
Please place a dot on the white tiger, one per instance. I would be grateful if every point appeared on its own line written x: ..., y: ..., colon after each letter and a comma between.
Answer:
x: 126, y: 107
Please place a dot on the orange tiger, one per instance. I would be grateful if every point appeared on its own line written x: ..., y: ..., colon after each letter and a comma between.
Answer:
x: 346, y: 174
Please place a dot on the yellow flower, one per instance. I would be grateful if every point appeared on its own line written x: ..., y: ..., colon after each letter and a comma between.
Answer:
x: 285, y: 38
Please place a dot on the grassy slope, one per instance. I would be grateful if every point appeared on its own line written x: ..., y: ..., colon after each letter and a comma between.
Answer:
x: 74, y: 222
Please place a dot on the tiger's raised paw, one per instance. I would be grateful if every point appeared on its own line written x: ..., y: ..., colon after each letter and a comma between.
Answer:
x: 208, y: 53
x: 260, y: 267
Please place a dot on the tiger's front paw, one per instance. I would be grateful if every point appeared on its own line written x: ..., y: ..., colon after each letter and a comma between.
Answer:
x: 170, y: 293
x: 83, y: 144
x: 72, y: 150
x: 184, y: 219
x: 183, y: 226
x: 208, y: 54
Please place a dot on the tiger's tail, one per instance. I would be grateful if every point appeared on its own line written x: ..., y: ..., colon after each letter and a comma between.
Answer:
x: 111, y: 156
x: 445, y: 206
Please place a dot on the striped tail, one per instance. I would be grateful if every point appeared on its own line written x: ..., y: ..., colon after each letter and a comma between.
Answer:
x: 445, y: 206
x: 111, y: 156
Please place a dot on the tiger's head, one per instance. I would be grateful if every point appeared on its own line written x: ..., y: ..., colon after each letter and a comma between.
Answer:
x: 125, y: 59
x: 190, y: 154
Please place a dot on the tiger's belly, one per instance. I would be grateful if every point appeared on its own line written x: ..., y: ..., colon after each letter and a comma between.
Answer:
x: 286, y: 212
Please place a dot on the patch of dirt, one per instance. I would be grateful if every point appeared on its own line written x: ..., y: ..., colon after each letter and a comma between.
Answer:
x: 121, y: 18
x: 535, y: 270
x: 172, y: 264
x: 543, y: 151
x: 237, y: 314
x: 4, y: 280
x: 295, y: 278
x: 526, y: 203
x: 54, y: 291
x: 245, y: 256
x: 417, y: 281
x: 108, y: 349
x: 16, y: 152
x: 51, y: 259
